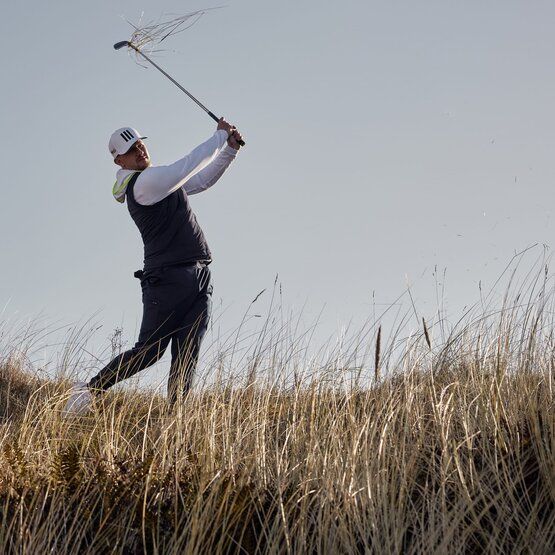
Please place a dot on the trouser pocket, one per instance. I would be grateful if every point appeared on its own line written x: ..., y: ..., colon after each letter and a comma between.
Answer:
x: 152, y: 277
x: 151, y: 322
x: 152, y: 297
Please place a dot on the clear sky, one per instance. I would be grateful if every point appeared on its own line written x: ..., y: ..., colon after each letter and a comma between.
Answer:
x: 385, y: 139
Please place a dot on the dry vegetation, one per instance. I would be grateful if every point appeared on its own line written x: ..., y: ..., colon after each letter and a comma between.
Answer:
x: 450, y: 451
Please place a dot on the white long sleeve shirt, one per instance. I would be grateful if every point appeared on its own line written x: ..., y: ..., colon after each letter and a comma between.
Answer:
x: 196, y: 172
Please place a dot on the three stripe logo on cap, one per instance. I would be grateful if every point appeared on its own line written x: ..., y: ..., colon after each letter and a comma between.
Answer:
x: 127, y: 135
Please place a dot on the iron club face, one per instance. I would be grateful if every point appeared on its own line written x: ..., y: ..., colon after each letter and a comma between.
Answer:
x: 121, y: 44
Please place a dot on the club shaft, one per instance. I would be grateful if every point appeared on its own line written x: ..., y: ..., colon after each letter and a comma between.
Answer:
x: 119, y: 45
x: 200, y: 104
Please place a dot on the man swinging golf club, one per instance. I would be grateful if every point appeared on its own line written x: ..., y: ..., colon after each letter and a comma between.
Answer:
x: 175, y: 281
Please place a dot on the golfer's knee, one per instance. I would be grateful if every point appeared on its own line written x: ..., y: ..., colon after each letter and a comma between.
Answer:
x: 149, y: 355
x: 151, y: 351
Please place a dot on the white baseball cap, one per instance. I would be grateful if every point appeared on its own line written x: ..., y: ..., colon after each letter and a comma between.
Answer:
x: 122, y: 140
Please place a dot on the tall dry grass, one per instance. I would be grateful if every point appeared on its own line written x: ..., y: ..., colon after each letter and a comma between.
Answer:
x: 450, y: 448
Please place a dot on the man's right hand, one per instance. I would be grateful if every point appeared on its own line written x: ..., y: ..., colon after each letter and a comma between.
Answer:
x: 235, y: 140
x: 222, y: 124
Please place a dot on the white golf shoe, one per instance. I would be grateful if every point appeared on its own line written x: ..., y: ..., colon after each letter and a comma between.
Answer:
x: 80, y: 400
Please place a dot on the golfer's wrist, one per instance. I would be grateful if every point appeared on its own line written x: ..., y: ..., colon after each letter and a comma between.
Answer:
x: 228, y: 149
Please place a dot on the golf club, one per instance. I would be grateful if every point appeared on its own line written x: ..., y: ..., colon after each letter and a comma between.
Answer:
x: 123, y: 43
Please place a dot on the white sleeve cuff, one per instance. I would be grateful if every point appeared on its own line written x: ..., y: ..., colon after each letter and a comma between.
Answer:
x: 230, y: 150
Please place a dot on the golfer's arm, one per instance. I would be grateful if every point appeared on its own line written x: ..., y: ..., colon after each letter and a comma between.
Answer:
x: 156, y: 183
x: 205, y: 178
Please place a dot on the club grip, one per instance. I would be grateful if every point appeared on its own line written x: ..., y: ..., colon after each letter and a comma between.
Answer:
x: 241, y: 142
x: 216, y: 118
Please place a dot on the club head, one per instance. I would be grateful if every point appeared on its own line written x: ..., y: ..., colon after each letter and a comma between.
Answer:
x: 121, y: 44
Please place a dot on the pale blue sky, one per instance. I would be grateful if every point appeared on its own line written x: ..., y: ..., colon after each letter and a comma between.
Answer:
x: 384, y: 139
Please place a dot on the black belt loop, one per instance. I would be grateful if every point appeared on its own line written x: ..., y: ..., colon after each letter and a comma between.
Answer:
x: 138, y: 274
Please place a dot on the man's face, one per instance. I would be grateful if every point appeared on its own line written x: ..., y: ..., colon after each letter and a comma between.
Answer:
x: 136, y: 158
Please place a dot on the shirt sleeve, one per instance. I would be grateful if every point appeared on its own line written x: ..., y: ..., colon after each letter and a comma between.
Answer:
x: 156, y: 183
x: 205, y: 178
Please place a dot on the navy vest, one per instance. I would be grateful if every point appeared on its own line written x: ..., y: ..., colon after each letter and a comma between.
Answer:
x: 170, y: 231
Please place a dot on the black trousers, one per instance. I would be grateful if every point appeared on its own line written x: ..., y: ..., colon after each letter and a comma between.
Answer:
x: 177, y: 305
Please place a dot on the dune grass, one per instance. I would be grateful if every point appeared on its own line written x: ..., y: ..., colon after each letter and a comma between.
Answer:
x: 449, y: 448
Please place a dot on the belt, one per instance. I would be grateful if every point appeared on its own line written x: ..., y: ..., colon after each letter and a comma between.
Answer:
x: 180, y: 264
x: 139, y: 274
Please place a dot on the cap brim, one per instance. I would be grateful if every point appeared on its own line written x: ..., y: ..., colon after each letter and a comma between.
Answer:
x: 131, y: 145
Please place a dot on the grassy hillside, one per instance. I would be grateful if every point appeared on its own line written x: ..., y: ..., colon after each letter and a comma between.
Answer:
x: 449, y: 449
x: 462, y: 461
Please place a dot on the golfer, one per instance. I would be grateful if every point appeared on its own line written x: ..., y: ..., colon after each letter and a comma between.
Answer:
x: 175, y: 281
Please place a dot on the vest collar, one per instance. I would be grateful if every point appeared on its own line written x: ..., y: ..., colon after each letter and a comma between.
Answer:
x: 120, y: 186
